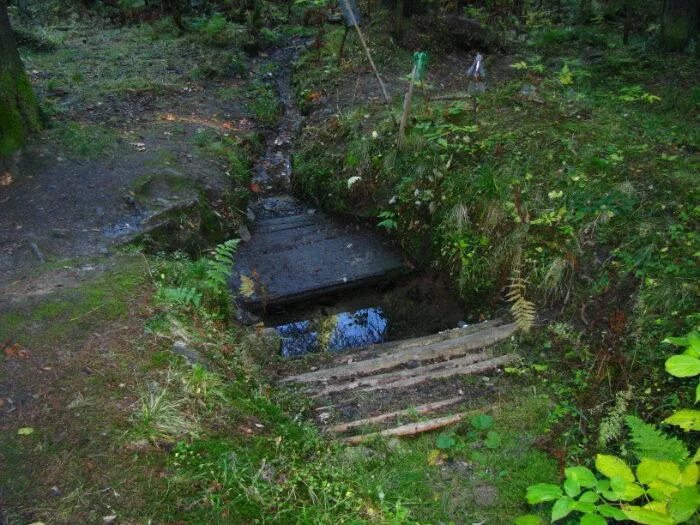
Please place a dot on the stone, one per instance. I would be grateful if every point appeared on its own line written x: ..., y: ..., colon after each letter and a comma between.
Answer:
x: 244, y: 233
x: 359, y: 454
x: 183, y: 349
x: 245, y: 317
x: 394, y: 445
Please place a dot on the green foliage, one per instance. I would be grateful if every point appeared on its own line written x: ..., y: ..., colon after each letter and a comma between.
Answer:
x: 202, y: 285
x: 264, y: 102
x: 217, y: 31
x: 662, y: 490
x: 85, y: 140
x: 686, y: 364
x: 388, y: 220
x: 179, y: 296
x: 649, y: 442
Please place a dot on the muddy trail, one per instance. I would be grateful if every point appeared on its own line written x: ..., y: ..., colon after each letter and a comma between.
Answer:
x: 369, y: 341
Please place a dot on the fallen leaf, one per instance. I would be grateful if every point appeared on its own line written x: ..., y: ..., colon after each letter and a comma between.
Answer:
x: 25, y: 431
x: 255, y: 187
x: 6, y: 179
x: 16, y: 350
x: 436, y: 457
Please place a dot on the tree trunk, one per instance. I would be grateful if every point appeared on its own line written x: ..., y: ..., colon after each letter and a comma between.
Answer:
x: 679, y: 23
x: 19, y: 112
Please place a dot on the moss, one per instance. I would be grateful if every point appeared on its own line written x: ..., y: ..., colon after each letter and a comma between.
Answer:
x: 85, y: 140
x: 676, y: 33
x: 72, y: 312
x: 19, y: 112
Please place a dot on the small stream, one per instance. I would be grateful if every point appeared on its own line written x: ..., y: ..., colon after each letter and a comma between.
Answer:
x: 411, y: 306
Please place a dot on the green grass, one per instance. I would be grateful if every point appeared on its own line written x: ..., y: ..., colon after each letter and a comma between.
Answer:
x: 287, y: 472
x: 69, y: 312
x: 596, y: 164
x: 84, y: 140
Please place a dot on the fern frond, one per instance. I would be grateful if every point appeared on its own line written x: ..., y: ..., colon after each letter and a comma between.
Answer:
x: 220, y: 265
x: 650, y: 442
x: 247, y: 288
x: 523, y: 310
x: 180, y: 296
x: 611, y: 427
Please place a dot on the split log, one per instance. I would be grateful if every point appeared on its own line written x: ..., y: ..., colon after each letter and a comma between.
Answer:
x: 410, y: 429
x: 481, y: 366
x: 381, y: 349
x: 420, y: 409
x: 391, y: 377
x: 441, y: 350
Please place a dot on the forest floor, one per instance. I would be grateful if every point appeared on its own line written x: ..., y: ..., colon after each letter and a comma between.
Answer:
x: 118, y: 406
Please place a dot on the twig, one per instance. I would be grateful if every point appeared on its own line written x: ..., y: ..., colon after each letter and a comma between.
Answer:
x: 87, y: 313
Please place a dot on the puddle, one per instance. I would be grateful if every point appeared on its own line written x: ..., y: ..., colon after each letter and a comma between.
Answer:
x: 129, y: 225
x: 413, y: 306
x: 334, y: 333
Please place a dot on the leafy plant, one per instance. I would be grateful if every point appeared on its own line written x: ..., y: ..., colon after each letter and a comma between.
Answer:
x: 686, y: 364
x: 388, y: 220
x: 181, y: 296
x: 636, y: 94
x: 649, y: 442
x: 663, y: 489
x: 218, y: 270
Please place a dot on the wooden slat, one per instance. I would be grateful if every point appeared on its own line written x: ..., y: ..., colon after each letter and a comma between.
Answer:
x: 441, y: 350
x: 446, y: 371
x: 420, y: 410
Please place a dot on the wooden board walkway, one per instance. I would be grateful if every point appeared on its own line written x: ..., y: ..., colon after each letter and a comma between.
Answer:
x: 410, y: 375
x: 303, y: 255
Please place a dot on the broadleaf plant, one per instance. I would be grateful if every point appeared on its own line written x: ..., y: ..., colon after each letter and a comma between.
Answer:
x: 662, y: 489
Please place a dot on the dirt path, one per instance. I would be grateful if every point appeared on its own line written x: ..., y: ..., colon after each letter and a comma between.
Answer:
x: 117, y: 163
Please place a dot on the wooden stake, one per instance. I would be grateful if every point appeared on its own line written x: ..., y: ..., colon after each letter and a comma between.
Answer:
x: 369, y: 55
x: 406, y: 108
x: 421, y: 409
x: 342, y: 45
x: 411, y: 429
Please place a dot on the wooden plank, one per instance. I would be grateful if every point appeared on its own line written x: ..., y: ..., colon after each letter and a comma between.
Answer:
x: 389, y: 378
x: 454, y: 368
x: 420, y: 409
x: 441, y: 350
x: 412, y: 429
x: 480, y: 366
x: 314, y: 257
x: 381, y: 349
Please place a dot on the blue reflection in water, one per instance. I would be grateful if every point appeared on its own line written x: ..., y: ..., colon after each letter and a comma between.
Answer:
x: 347, y: 330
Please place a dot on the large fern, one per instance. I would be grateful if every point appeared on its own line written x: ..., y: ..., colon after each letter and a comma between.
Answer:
x: 219, y: 266
x: 523, y: 310
x: 180, y: 296
x: 216, y: 277
x: 649, y: 442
